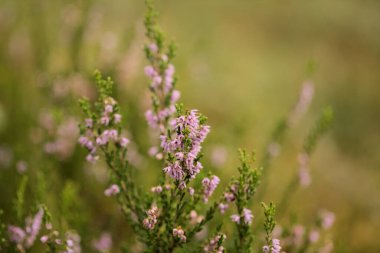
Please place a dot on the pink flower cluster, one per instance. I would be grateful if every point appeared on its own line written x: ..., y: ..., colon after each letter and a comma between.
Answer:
x: 161, y: 85
x: 64, y: 138
x: 212, y: 246
x: 229, y: 196
x: 195, y: 218
x: 73, y: 243
x: 25, y: 238
x: 184, y: 145
x: 209, y: 186
x: 246, y: 216
x: 156, y: 189
x: 179, y: 233
x: 92, y: 140
x: 151, y: 220
x: 275, y: 248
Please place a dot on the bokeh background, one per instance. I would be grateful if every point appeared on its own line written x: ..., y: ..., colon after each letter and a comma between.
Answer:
x: 241, y: 63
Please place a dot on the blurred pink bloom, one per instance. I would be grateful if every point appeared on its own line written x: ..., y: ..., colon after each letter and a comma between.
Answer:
x: 175, y: 96
x: 117, y: 118
x: 112, y: 190
x: 153, y: 47
x: 191, y: 191
x: 219, y: 156
x: 21, y: 167
x: 248, y: 216
x: 222, y: 207
x: 179, y: 233
x: 156, y: 189
x: 314, y: 236
x: 328, y: 219
x: 327, y: 248
x: 103, y: 243
x: 124, y: 142
x: 298, y: 234
x: 304, y: 100
x: 274, y: 149
x: 235, y: 218
x: 209, y: 186
x: 26, y: 237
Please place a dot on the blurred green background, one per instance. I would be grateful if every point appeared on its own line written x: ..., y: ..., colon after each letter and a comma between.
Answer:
x: 241, y: 63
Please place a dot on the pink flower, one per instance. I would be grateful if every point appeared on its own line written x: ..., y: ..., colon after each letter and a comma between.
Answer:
x: 104, y: 243
x: 124, y: 142
x: 266, y: 249
x: 179, y: 233
x: 304, y: 177
x: 92, y: 158
x: 105, y: 120
x: 328, y: 219
x: 112, y: 190
x: 27, y: 236
x: 235, y: 218
x: 229, y: 196
x: 209, y: 186
x: 21, y: 167
x: 44, y: 238
x: 304, y: 100
x: 151, y: 220
x: 88, y: 123
x: 314, y: 236
x: 222, y: 207
x: 117, y: 118
x: 248, y: 216
x: 276, y: 248
x: 175, y: 96
x: 83, y: 140
x: 156, y: 189
x: 153, y: 48
x: 16, y: 234
x: 191, y: 191
x: 151, y: 118
x: 298, y: 234
x: 150, y: 71
x: 108, y: 109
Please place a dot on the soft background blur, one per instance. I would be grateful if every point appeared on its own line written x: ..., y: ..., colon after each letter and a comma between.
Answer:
x: 241, y: 63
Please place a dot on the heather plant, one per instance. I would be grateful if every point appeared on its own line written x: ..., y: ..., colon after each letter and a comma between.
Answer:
x: 168, y: 218
x: 185, y: 210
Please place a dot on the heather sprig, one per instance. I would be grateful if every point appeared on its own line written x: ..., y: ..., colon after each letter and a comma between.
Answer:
x: 273, y: 244
x: 240, y: 192
x: 101, y: 133
x: 19, y: 202
x: 276, y: 140
x: 302, y: 178
x: 161, y: 73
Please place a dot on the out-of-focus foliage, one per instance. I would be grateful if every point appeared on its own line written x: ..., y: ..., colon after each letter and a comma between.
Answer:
x: 240, y: 62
